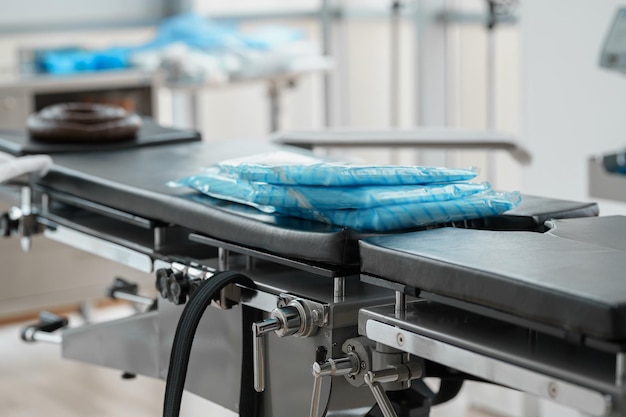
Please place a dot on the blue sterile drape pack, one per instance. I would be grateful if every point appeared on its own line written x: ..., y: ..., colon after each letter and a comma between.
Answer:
x: 190, y: 48
x: 366, y: 198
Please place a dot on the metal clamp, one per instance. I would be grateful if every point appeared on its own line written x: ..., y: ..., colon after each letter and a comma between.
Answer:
x: 10, y: 222
x: 347, y: 365
x: 22, y: 220
x: 299, y: 317
x: 395, y: 370
x: 177, y: 282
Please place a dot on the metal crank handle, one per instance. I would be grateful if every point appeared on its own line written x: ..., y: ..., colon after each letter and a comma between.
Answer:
x: 379, y: 394
x: 283, y: 321
x: 400, y: 372
x: 315, y: 398
x: 331, y: 367
x: 259, y: 329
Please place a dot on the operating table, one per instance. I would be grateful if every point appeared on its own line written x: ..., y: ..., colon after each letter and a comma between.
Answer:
x: 313, y: 319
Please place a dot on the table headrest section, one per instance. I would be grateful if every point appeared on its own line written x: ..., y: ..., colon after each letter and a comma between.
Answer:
x: 534, y: 211
x: 570, y: 278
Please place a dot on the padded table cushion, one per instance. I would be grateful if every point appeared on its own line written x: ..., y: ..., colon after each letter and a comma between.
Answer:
x: 571, y: 277
x: 135, y: 180
x: 534, y: 211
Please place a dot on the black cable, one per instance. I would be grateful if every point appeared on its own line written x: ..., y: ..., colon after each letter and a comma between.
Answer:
x: 250, y: 401
x: 185, y: 332
x: 448, y: 389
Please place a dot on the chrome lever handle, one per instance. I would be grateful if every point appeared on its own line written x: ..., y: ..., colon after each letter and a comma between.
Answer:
x: 379, y: 394
x: 400, y: 372
x: 331, y: 367
x: 297, y: 318
x: 283, y: 321
x: 315, y: 397
x: 259, y: 329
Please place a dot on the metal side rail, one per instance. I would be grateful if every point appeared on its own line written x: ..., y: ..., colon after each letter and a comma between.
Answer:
x: 97, y: 246
x: 568, y: 373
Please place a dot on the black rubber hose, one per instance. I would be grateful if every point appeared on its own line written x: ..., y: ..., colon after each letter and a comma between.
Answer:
x: 185, y: 332
x: 448, y: 389
x: 250, y: 401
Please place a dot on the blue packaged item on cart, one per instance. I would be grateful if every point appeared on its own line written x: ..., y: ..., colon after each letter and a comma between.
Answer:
x: 363, y: 198
x: 333, y: 198
x: 73, y: 60
x: 283, y: 168
x: 213, y: 183
x: 410, y: 216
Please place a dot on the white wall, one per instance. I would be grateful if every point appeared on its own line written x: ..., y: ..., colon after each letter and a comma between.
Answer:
x: 29, y: 14
x: 572, y: 109
x: 243, y: 110
x: 252, y: 6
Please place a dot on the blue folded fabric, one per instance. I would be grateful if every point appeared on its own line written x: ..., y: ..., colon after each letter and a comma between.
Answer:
x: 70, y: 61
x: 195, y: 31
x: 409, y: 216
x: 199, y: 32
x: 190, y: 29
x: 334, y: 174
x: 215, y: 184
x: 363, y: 198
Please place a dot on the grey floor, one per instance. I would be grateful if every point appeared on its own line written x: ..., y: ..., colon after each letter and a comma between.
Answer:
x: 35, y: 381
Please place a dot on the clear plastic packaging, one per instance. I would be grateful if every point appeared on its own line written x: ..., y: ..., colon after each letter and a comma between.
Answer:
x: 409, y: 216
x: 363, y: 198
x: 214, y: 184
x: 293, y: 169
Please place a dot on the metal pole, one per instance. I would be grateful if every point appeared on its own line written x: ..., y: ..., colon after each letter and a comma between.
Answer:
x: 400, y: 304
x: 491, y: 86
x: 223, y: 257
x: 394, y: 60
x: 273, y: 92
x: 491, y: 79
x: 133, y: 298
x: 326, y: 23
x: 339, y: 288
x: 620, y: 369
x: 431, y: 68
x: 430, y: 63
x: 26, y: 206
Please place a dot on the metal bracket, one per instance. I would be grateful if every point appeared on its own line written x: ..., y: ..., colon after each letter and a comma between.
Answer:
x: 356, y: 367
x: 588, y: 401
x: 298, y: 317
x: 178, y: 281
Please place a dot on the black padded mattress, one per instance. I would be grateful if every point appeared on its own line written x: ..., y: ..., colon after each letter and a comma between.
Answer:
x: 571, y: 277
x: 135, y: 180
